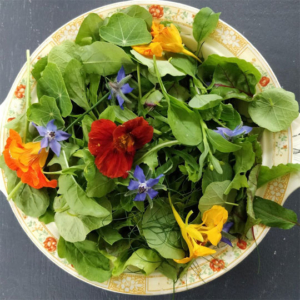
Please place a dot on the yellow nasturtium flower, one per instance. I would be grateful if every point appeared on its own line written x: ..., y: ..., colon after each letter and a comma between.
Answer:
x: 149, y: 50
x: 197, y: 235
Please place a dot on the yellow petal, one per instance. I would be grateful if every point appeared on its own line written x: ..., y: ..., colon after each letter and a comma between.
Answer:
x: 183, y: 260
x: 149, y: 50
x: 186, y: 52
x: 194, y: 233
x: 156, y: 28
x: 217, y: 214
x: 176, y: 215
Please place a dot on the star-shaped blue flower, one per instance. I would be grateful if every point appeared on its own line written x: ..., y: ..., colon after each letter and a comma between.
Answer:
x: 120, y: 87
x: 226, y: 229
x: 52, y: 136
x: 228, y: 134
x: 142, y: 186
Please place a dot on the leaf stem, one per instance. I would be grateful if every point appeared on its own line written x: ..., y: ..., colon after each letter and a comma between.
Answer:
x: 157, y: 131
x: 231, y: 203
x: 27, y: 95
x: 14, y: 191
x: 140, y: 88
x: 82, y: 116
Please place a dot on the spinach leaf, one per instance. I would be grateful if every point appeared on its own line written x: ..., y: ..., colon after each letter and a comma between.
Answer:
x: 124, y: 31
x: 31, y: 201
x: 220, y: 143
x: 267, y: 174
x: 183, y: 63
x: 105, y: 59
x: 44, y: 111
x: 11, y: 176
x: 48, y: 216
x: 274, y: 109
x: 230, y: 116
x: 93, y: 88
x: 39, y: 67
x: 204, y: 24
x: 273, y: 214
x: 89, y: 30
x: 179, y: 92
x: 110, y: 235
x: 137, y: 11
x: 52, y: 84
x: 63, y: 53
x: 86, y: 259
x: 161, y: 231
x: 203, y: 102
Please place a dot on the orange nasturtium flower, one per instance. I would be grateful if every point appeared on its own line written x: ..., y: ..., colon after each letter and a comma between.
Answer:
x: 197, y: 235
x: 149, y: 50
x: 28, y: 160
x: 156, y: 28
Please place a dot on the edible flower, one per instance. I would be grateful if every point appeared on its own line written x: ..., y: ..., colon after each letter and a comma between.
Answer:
x: 52, y: 137
x: 120, y: 87
x: 197, y: 235
x: 228, y: 134
x: 150, y: 49
x: 226, y: 229
x: 28, y: 160
x: 142, y: 186
x: 115, y: 146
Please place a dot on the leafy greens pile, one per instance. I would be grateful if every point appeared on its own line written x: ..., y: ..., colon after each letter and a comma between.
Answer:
x: 200, y: 153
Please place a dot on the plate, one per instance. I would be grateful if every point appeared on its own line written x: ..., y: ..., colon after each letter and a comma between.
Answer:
x: 281, y: 147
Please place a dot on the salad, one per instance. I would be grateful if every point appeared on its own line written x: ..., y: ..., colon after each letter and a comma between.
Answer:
x: 144, y: 153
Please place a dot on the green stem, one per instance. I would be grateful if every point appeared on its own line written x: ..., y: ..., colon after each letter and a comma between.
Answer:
x: 133, y: 96
x: 27, y: 95
x: 14, y: 191
x: 140, y: 107
x: 65, y: 158
x: 82, y: 116
x: 231, y: 203
x: 157, y: 131
x: 53, y: 173
x: 218, y: 122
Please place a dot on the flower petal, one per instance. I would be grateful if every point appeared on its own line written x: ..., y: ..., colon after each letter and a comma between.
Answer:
x: 225, y: 132
x: 139, y: 174
x: 126, y: 88
x: 56, y: 147
x: 61, y: 135
x: 226, y: 240
x: 120, y: 101
x: 227, y: 226
x: 44, y: 142
x: 50, y: 126
x: 152, y: 193
x: 241, y: 130
x: 133, y: 185
x: 121, y: 74
x: 41, y: 130
x: 140, y: 197
x: 153, y: 181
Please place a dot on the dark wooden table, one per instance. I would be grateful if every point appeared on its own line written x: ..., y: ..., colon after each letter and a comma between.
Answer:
x: 273, y: 26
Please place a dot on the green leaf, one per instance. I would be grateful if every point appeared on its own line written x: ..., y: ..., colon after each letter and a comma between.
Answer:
x: 137, y: 11
x: 31, y: 201
x: 205, y: 23
x: 210, y: 176
x: 86, y: 126
x: 220, y: 143
x: 267, y: 174
x: 44, y: 111
x: 169, y: 268
x: 86, y: 259
x: 52, y: 84
x: 206, y: 70
x: 39, y: 67
x: 239, y: 181
x: 274, y: 109
x: 93, y: 88
x: 179, y: 92
x: 214, y: 195
x: 62, y: 54
x: 231, y: 117
x: 105, y: 59
x: 231, y: 82
x: 162, y: 232
x: 183, y: 63
x: 12, y: 179
x: 17, y: 124
x: 110, y: 235
x: 244, y: 158
x: 203, y: 102
x: 89, y: 30
x: 274, y: 215
x: 164, y: 66
x: 69, y: 150
x: 75, y: 77
x: 48, y: 216
x: 124, y: 31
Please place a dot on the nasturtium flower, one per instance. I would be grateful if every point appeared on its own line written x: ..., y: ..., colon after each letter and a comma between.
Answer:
x: 120, y: 87
x: 226, y: 229
x: 149, y: 50
x: 228, y: 134
x: 156, y: 28
x: 142, y: 186
x: 197, y: 235
x: 52, y: 137
x: 115, y: 146
x: 28, y: 160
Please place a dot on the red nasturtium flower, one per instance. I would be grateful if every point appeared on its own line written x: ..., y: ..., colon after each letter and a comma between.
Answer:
x: 28, y: 160
x: 115, y: 146
x: 264, y: 81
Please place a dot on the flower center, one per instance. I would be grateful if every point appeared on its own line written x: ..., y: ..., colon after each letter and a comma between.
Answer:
x: 114, y: 87
x: 143, y: 188
x: 125, y: 142
x: 51, y: 135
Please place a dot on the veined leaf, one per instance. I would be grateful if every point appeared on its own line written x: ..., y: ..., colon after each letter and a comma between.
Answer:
x: 39, y: 67
x: 137, y: 11
x: 203, y: 102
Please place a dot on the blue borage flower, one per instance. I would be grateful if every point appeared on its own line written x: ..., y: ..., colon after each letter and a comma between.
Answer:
x: 142, y: 186
x: 228, y: 134
x: 52, y: 136
x: 120, y: 87
x: 226, y: 229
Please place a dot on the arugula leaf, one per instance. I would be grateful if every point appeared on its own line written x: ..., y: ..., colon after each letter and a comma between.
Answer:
x: 39, y: 67
x: 274, y: 109
x: 89, y: 30
x: 161, y: 231
x: 86, y: 259
x: 267, y: 174
x: 31, y: 201
x: 220, y: 143
x: 52, y: 84
x: 137, y: 11
x: 203, y: 102
x: 124, y: 31
x: 204, y: 24
x: 105, y: 59
x: 75, y: 77
x: 273, y: 214
x: 44, y: 111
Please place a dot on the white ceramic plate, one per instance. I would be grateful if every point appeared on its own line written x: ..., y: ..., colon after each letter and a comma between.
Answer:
x: 281, y: 147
